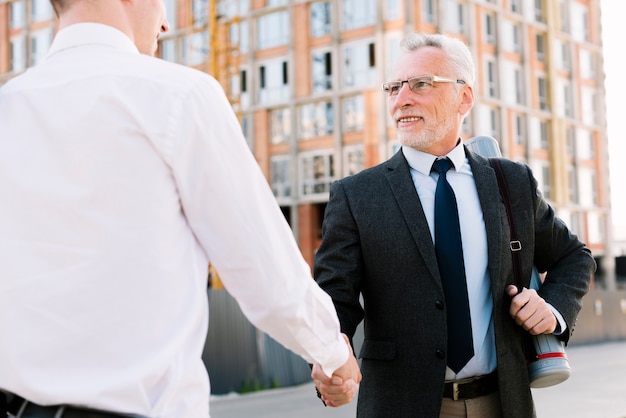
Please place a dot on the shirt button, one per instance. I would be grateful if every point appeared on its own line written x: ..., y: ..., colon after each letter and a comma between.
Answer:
x: 439, y: 304
x: 440, y: 354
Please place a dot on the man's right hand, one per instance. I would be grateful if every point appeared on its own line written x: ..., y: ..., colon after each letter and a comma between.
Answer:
x: 340, y: 388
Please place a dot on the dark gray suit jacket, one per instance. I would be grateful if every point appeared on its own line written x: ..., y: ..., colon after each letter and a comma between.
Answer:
x: 376, y: 242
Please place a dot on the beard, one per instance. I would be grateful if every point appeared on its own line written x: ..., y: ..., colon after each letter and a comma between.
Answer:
x: 428, y: 135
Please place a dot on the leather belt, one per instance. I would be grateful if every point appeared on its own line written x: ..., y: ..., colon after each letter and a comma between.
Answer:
x: 481, y: 386
x: 21, y: 408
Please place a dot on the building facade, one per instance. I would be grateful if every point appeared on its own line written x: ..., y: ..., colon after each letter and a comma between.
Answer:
x: 304, y: 77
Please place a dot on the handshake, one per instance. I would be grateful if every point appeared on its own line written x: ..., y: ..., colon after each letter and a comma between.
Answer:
x: 340, y: 388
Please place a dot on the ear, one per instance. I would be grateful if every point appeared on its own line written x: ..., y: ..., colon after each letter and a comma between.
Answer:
x: 467, y: 100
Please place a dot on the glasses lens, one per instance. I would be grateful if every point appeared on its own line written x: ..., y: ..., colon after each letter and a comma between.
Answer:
x: 420, y: 84
x: 392, y: 88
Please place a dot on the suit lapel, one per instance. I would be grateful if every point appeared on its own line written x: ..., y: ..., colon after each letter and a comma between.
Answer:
x: 403, y: 189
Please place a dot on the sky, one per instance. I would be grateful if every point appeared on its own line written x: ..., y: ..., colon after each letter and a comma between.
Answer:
x: 613, y: 34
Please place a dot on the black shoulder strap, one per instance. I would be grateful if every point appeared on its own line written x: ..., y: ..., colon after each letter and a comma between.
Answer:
x: 515, y: 245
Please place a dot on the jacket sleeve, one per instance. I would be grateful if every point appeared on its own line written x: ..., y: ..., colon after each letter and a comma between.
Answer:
x: 338, y: 262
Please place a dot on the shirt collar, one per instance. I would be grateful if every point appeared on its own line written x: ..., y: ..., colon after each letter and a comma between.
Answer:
x: 423, y: 162
x: 90, y: 33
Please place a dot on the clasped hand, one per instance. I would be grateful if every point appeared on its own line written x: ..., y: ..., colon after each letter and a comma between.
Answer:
x: 531, y: 311
x: 340, y: 388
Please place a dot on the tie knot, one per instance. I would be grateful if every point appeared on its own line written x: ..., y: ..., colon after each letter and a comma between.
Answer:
x: 442, y: 165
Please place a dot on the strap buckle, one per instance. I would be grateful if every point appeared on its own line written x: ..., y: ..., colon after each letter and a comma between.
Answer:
x: 515, y: 245
x: 455, y: 391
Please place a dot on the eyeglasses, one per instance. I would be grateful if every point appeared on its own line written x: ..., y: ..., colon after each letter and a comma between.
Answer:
x: 418, y: 85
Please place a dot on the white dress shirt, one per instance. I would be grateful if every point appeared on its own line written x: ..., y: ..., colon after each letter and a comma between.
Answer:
x: 122, y: 176
x: 474, y: 242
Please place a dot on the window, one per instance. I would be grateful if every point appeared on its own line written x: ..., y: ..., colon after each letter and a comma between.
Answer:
x: 195, y: 49
x: 40, y: 42
x: 18, y: 54
x: 588, y: 105
x: 353, y: 111
x: 539, y: 15
x: 516, y: 6
x: 586, y: 64
x: 272, y: 3
x: 320, y: 19
x: 280, y: 125
x: 392, y: 9
x: 170, y: 12
x: 542, y: 93
x: 353, y: 157
x: 317, y: 172
x: 518, y: 83
x: 359, y: 61
x: 540, y: 40
x: 454, y: 17
x: 491, y: 74
x: 494, y: 117
x: 273, y: 82
x: 428, y: 11
x: 568, y: 100
x: 572, y: 184
x: 41, y: 10
x: 570, y: 141
x: 238, y: 37
x: 520, y: 130
x: 585, y: 145
x: 544, y: 141
x: 564, y: 15
x: 322, y: 71
x: 490, y: 29
x: 280, y: 175
x: 200, y: 11
x: 17, y: 14
x: 315, y: 120
x: 358, y: 13
x: 273, y: 30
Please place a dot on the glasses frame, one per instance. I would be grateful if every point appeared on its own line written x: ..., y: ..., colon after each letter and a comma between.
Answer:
x: 433, y: 79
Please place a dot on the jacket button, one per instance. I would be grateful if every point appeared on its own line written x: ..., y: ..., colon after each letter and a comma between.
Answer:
x: 439, y: 304
x: 440, y: 354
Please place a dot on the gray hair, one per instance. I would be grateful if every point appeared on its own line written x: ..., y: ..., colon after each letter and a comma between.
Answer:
x: 461, y: 61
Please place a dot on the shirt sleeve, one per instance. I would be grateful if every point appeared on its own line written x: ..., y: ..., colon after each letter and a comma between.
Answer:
x: 237, y: 222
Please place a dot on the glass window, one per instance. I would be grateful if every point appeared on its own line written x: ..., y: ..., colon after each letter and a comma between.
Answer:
x: 322, y: 71
x: 200, y: 11
x: 317, y: 172
x: 540, y: 40
x: 280, y: 125
x: 17, y: 14
x: 544, y: 141
x: 280, y: 174
x: 359, y: 64
x: 539, y: 16
x: 490, y: 28
x: 41, y: 10
x: 18, y: 54
x: 195, y: 48
x: 454, y: 18
x: 542, y: 93
x: 353, y: 111
x: 320, y: 19
x: 520, y: 129
x: 353, y: 159
x: 358, y: 13
x: 40, y: 45
x: 273, y: 30
x: 171, y: 13
x: 545, y: 181
x: 428, y: 11
x: 519, y: 83
x: 315, y: 120
x: 232, y: 8
x: 273, y: 81
x: 393, y: 9
x: 491, y: 74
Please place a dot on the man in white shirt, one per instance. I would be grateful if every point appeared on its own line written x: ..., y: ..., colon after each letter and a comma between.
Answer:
x: 122, y: 177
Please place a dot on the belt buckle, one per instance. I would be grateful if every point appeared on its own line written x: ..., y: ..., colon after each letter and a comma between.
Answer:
x: 455, y: 391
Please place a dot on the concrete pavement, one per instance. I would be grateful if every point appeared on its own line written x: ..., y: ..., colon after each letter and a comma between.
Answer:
x: 596, y: 389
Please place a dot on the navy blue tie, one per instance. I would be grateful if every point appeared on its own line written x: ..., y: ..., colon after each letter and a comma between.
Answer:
x: 449, y: 252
